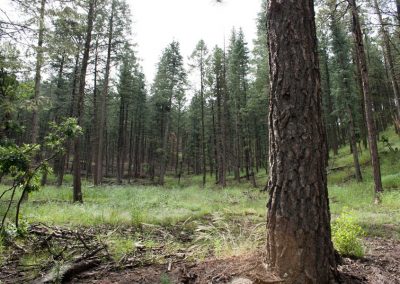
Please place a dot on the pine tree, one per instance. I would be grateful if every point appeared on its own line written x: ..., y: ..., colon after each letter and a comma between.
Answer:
x: 199, y: 58
x: 299, y: 246
x: 168, y: 88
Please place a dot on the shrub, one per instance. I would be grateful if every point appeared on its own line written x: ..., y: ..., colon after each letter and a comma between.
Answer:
x: 346, y: 236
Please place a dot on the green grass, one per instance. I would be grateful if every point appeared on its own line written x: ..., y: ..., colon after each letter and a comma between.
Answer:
x: 225, y: 221
x: 133, y: 205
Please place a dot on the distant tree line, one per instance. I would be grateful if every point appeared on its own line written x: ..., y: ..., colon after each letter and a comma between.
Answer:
x: 76, y: 59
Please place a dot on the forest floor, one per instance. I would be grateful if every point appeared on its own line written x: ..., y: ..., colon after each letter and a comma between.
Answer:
x: 185, y: 234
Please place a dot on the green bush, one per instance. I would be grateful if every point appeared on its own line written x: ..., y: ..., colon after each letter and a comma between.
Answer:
x: 346, y: 236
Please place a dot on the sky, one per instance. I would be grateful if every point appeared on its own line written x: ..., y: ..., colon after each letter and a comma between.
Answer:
x: 158, y: 22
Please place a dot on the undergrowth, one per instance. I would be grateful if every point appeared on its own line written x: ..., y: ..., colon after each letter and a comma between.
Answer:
x: 346, y: 236
x: 214, y: 221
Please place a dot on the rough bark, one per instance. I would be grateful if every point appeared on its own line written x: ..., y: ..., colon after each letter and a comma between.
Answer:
x: 362, y: 63
x: 77, y: 190
x: 299, y: 246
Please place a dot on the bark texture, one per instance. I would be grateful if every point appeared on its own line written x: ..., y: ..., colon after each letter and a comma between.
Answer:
x: 299, y: 246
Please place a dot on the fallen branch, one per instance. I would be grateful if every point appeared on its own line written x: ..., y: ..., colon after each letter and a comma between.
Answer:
x: 69, y: 270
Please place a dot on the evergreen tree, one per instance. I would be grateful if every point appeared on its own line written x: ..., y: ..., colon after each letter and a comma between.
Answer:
x: 168, y: 89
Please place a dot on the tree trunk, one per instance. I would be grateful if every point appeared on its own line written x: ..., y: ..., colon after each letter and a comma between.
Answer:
x: 203, y: 139
x: 120, y: 141
x: 39, y: 62
x: 353, y: 144
x: 299, y: 246
x: 331, y: 117
x: 57, y: 118
x: 389, y: 59
x: 103, y: 102
x: 65, y: 157
x: 164, y: 155
x: 77, y: 190
x: 178, y: 134
x: 362, y: 62
x: 95, y: 141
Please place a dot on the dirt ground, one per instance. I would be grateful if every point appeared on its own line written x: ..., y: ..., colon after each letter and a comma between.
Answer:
x: 381, y: 265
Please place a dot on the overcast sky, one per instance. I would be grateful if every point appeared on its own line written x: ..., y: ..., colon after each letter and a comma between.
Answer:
x: 157, y: 22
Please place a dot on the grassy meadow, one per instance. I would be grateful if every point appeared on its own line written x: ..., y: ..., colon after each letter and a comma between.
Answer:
x: 206, y: 221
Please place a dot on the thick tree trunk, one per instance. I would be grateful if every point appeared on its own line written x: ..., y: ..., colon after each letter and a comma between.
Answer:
x: 77, y: 190
x: 299, y: 246
x: 362, y: 62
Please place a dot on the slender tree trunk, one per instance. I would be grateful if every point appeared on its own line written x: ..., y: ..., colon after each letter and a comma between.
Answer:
x: 177, y: 140
x: 221, y: 128
x: 95, y: 141
x: 163, y: 165
x: 363, y: 126
x: 353, y: 144
x: 120, y: 140
x: 362, y: 62
x: 299, y: 246
x: 237, y: 155
x: 103, y: 101
x: 215, y: 138
x: 331, y: 117
x: 249, y: 159
x: 389, y: 58
x: 203, y: 139
x: 77, y: 186
x: 65, y: 157
x: 39, y: 62
x: 57, y: 118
